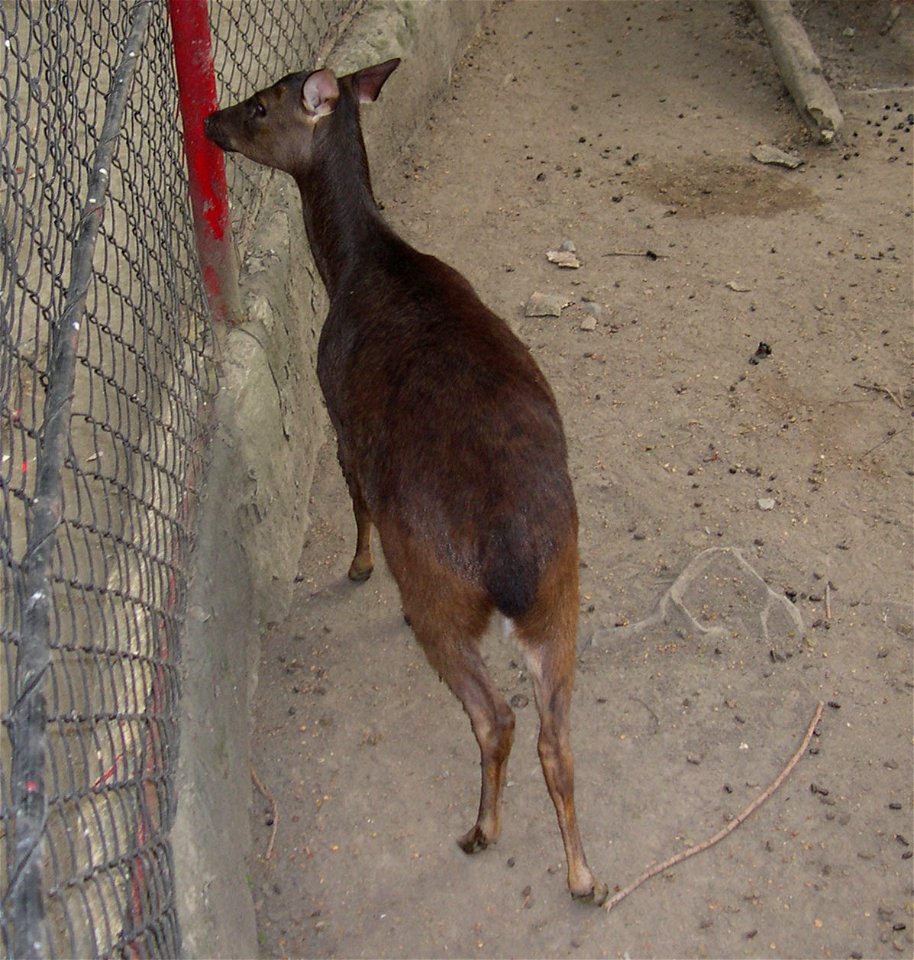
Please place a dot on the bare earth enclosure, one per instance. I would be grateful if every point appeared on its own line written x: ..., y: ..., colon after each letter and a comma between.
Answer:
x: 746, y: 523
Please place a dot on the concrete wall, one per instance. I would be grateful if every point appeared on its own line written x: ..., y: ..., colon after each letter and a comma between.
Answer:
x: 269, y: 423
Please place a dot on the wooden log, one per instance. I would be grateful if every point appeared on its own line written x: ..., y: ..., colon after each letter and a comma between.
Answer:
x: 800, y: 68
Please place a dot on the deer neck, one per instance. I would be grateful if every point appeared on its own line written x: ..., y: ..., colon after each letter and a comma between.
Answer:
x: 342, y: 219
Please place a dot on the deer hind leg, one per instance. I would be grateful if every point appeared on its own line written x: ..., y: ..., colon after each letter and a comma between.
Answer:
x: 547, y: 637
x: 448, y: 617
x: 460, y: 665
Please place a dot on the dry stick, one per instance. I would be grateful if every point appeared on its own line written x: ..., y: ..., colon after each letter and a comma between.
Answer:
x: 827, y: 601
x: 730, y: 827
x: 894, y: 14
x: 637, y: 253
x: 274, y: 813
x: 800, y: 68
x: 889, y: 436
x: 876, y: 388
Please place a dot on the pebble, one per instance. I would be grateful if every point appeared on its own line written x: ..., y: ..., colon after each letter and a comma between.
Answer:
x: 767, y: 503
x: 545, y: 305
x: 563, y: 258
x: 767, y: 153
x: 589, y: 323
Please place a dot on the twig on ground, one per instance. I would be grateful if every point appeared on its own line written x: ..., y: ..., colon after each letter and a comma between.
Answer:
x: 894, y: 14
x: 637, y: 253
x: 274, y: 813
x: 827, y: 601
x: 876, y: 388
x: 654, y: 716
x: 730, y: 827
x: 890, y: 434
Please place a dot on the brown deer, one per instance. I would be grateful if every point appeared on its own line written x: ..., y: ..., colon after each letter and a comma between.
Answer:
x: 448, y: 436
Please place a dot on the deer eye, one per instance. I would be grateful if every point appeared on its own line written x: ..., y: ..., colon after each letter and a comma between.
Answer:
x: 257, y: 108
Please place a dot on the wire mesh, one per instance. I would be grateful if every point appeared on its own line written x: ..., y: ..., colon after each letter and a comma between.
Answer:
x: 106, y: 373
x: 104, y: 380
x: 255, y: 42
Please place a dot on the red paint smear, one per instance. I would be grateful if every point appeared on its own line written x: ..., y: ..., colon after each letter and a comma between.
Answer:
x: 197, y: 100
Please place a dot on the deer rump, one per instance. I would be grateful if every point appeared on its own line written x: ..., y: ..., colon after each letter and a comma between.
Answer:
x: 447, y: 426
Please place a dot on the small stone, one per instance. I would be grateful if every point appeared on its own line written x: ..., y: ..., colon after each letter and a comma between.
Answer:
x: 767, y: 503
x: 766, y: 153
x: 589, y: 323
x: 762, y: 351
x: 545, y: 305
x: 563, y: 258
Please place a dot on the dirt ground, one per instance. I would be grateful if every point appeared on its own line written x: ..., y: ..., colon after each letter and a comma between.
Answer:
x: 626, y: 128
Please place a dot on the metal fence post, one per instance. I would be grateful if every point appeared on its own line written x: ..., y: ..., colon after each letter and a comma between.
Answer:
x: 205, y: 164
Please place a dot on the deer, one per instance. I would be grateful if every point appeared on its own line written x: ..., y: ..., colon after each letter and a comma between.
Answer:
x: 448, y: 435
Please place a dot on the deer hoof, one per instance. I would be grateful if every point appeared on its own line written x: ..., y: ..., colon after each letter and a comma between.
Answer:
x: 474, y: 841
x: 596, y: 895
x: 360, y: 570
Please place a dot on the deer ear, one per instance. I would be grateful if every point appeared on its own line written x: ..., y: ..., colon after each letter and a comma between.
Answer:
x: 367, y: 82
x: 319, y: 93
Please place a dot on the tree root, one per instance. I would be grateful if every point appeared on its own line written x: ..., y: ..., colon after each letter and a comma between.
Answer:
x: 274, y: 813
x: 730, y: 827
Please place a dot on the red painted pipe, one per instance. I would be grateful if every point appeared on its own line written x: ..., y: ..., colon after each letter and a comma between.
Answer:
x: 205, y: 161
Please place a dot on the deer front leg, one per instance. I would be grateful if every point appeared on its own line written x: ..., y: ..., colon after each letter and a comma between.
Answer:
x: 362, y: 564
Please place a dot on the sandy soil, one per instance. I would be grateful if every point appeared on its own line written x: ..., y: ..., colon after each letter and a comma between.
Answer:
x: 627, y: 129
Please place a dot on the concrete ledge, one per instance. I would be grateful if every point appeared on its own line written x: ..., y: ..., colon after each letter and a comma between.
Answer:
x: 253, y: 517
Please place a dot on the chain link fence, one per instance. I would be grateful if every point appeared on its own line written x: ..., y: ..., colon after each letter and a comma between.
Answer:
x: 255, y: 42
x: 107, y: 369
